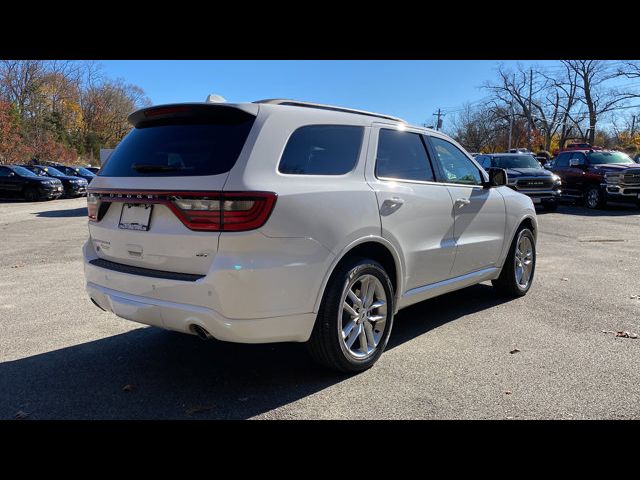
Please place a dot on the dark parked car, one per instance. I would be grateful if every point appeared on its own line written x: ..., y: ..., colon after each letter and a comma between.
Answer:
x: 527, y: 176
x: 73, y: 186
x: 598, y: 175
x: 77, y: 172
x: 17, y: 181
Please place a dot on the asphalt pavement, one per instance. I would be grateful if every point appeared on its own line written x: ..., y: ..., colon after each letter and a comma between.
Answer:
x: 448, y: 358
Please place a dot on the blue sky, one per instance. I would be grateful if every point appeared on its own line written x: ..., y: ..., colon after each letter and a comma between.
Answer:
x: 412, y: 89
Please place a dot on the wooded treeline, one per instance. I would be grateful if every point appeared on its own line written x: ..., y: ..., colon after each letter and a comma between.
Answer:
x: 62, y: 110
x: 597, y: 101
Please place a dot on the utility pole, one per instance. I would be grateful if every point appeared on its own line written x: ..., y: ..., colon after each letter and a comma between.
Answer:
x: 439, y: 122
x: 529, y: 119
x: 633, y: 126
x: 510, y: 123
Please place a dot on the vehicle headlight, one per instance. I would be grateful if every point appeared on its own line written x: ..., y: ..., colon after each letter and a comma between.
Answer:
x: 556, y: 179
x: 612, y: 178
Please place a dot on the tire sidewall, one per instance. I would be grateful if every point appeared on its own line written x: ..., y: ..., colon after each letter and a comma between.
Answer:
x: 586, y: 197
x: 524, y: 231
x: 364, y: 267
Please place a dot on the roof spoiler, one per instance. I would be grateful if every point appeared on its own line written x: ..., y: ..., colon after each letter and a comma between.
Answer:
x: 198, y: 112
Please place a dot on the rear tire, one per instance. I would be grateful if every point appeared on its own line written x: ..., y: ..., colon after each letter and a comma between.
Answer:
x: 594, y: 198
x: 350, y: 338
x: 31, y: 195
x: 520, y: 265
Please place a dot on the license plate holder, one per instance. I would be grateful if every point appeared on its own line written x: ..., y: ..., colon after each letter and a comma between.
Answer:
x: 135, y: 216
x: 536, y: 200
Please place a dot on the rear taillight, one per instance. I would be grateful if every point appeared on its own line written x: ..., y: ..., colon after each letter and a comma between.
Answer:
x: 226, y: 212
x: 96, y: 207
x: 93, y: 204
x: 206, y: 211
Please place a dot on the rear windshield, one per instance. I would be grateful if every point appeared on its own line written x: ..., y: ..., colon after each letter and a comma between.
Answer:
x: 178, y: 150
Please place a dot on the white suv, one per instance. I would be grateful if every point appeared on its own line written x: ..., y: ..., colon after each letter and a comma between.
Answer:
x: 279, y: 221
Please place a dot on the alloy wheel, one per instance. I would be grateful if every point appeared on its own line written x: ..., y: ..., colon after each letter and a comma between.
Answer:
x: 523, y: 261
x: 363, y: 316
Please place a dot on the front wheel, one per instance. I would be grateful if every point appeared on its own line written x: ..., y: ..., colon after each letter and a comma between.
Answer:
x: 594, y: 198
x: 517, y: 272
x: 355, y: 317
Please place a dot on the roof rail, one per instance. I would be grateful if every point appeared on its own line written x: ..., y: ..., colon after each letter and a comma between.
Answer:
x: 296, y: 103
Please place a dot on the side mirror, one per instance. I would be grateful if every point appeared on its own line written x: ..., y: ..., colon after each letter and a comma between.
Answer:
x: 497, y: 177
x: 11, y: 174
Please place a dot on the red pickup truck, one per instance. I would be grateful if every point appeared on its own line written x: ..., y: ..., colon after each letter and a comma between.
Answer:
x: 598, y: 175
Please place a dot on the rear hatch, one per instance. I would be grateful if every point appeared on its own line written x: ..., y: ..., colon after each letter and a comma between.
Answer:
x: 156, y: 203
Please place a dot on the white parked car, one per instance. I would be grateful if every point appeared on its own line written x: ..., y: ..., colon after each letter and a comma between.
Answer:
x: 280, y: 221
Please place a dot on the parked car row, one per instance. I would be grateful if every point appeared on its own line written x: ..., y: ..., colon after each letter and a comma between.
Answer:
x: 43, y: 182
x: 592, y: 175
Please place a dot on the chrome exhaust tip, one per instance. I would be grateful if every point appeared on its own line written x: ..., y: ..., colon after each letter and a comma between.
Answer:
x: 201, y: 332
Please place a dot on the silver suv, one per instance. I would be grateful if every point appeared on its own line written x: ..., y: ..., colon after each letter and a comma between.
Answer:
x: 280, y: 221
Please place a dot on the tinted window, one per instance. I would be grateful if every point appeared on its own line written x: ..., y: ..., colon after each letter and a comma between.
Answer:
x: 562, y: 160
x: 516, y: 161
x: 456, y: 165
x: 402, y: 155
x: 178, y: 150
x: 84, y: 171
x: 598, y: 158
x: 578, y: 156
x: 4, y: 172
x: 54, y: 172
x: 322, y: 150
x: 23, y: 172
x: 484, y: 160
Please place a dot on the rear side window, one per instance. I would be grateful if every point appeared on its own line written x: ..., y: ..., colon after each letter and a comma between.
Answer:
x: 322, y: 150
x: 186, y: 149
x: 402, y: 155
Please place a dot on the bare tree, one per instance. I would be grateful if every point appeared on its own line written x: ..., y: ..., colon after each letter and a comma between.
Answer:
x: 594, y: 91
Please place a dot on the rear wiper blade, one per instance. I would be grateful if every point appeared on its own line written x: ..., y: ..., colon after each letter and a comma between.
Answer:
x: 150, y: 167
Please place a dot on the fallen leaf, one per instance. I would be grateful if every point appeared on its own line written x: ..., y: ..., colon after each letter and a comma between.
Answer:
x: 128, y: 388
x: 508, y: 392
x: 198, y: 409
x: 565, y: 279
x: 21, y: 415
x: 515, y: 350
x: 626, y: 334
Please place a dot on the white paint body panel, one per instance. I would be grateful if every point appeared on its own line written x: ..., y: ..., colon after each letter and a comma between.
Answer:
x: 266, y: 285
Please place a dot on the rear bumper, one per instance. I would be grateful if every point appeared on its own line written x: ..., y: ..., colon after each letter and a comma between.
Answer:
x: 249, y: 295
x: 182, y: 317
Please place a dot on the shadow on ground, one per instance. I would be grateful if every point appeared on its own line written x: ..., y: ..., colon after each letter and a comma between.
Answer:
x: 610, y: 210
x: 70, y: 212
x: 179, y: 376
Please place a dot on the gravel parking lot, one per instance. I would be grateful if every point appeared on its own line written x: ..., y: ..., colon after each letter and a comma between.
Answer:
x: 448, y: 358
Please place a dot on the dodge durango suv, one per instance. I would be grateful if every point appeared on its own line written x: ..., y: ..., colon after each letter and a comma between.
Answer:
x: 596, y: 176
x: 286, y: 221
x: 526, y: 175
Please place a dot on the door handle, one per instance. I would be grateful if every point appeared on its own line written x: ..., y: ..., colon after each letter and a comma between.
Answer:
x: 461, y: 202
